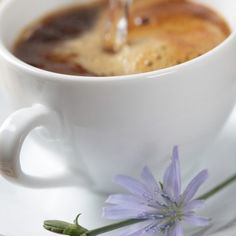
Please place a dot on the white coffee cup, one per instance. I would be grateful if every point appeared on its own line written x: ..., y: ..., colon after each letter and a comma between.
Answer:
x: 113, y: 125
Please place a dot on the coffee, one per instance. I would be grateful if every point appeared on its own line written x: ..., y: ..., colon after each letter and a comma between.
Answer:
x: 161, y: 34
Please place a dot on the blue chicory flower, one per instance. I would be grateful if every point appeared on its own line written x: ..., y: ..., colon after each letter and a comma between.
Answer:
x: 160, y: 207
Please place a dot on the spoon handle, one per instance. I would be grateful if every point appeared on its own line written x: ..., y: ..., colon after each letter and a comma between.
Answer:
x: 116, y: 30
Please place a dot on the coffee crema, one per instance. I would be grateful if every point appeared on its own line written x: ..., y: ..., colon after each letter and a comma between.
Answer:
x: 162, y: 33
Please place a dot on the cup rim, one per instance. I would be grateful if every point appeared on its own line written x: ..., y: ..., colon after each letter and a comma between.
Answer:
x: 34, y: 71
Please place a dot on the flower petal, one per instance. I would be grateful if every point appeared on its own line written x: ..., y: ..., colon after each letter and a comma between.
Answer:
x: 193, y: 205
x: 197, y: 220
x: 153, y: 228
x: 120, y: 199
x: 119, y: 213
x: 135, y: 229
x: 145, y: 209
x: 172, y: 177
x: 167, y: 233
x: 175, y: 230
x: 150, y: 233
x: 150, y: 181
x: 132, y: 185
x: 178, y: 230
x: 177, y: 183
x: 194, y: 185
x: 146, y: 233
x: 167, y: 179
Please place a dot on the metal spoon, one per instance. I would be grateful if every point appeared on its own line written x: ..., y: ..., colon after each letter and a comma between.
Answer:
x: 116, y: 30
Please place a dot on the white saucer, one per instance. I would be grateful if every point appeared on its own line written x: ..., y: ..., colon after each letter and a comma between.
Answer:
x: 22, y: 210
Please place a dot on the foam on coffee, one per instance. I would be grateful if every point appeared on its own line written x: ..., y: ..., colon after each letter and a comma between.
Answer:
x: 161, y: 34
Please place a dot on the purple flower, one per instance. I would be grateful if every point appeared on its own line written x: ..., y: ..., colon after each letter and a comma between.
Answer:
x: 161, y: 208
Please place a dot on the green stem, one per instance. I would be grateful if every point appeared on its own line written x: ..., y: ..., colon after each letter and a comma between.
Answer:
x: 218, y: 188
x: 112, y: 227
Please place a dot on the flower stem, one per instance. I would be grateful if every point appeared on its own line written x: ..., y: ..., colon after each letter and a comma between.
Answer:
x: 112, y: 227
x: 218, y: 188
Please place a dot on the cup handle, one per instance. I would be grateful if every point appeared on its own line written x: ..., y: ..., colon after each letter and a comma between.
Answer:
x: 13, y: 133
